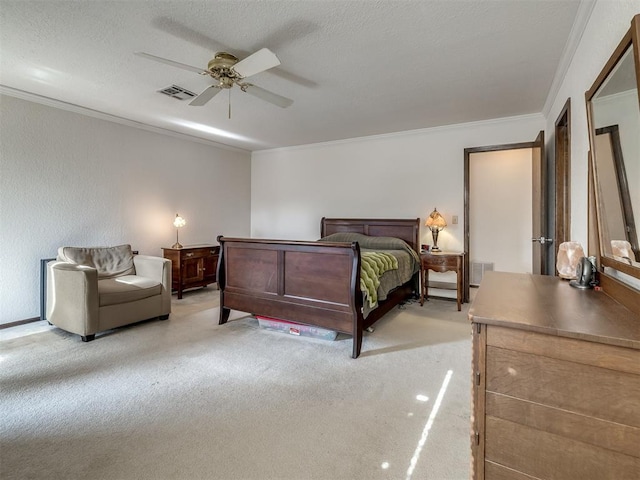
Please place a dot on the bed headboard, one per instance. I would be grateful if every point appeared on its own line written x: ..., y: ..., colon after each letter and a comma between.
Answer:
x: 405, y: 229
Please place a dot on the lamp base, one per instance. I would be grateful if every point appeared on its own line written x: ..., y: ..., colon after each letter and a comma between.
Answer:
x: 434, y: 234
x: 176, y: 245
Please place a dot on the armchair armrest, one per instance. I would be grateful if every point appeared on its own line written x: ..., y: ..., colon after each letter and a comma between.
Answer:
x: 72, y: 297
x: 159, y: 269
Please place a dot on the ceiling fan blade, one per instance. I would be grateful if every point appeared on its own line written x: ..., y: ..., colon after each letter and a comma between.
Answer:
x: 183, y: 66
x: 268, y: 96
x: 257, y: 62
x: 206, y: 95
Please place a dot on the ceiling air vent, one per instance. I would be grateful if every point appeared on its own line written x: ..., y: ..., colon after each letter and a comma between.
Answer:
x: 178, y: 92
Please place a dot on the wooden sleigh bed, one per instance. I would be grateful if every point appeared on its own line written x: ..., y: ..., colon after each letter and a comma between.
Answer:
x: 313, y: 283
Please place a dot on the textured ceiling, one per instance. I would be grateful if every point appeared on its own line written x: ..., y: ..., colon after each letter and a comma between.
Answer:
x: 353, y: 68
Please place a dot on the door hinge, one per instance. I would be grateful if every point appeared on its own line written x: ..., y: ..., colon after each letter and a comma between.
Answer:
x: 477, y: 437
x: 478, y: 328
x: 477, y: 378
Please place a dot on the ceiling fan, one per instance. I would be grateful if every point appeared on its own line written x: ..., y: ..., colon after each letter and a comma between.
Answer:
x: 228, y: 71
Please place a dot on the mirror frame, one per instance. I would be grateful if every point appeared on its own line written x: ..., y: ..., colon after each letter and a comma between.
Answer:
x: 615, y: 288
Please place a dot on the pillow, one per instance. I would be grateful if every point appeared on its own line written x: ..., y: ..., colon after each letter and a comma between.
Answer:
x: 344, y: 237
x: 365, y: 241
x: 109, y: 261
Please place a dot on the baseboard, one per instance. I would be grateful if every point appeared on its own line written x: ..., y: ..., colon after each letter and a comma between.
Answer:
x: 19, y: 322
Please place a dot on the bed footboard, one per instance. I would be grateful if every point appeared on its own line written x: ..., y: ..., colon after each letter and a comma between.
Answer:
x: 315, y: 283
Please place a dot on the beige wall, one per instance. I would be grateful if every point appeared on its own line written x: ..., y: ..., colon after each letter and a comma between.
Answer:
x: 70, y: 179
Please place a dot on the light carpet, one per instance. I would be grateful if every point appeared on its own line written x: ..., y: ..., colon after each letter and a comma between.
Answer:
x: 189, y: 399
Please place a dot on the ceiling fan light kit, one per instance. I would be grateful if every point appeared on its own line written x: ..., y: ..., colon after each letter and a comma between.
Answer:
x: 228, y: 71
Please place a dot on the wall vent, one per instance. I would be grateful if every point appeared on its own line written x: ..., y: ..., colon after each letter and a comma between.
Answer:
x: 477, y: 271
x: 178, y: 92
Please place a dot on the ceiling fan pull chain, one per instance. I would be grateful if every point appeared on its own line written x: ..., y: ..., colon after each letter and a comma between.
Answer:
x: 229, y: 104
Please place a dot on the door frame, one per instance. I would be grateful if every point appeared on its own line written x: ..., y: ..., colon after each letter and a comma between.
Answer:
x: 467, y: 154
x: 562, y: 231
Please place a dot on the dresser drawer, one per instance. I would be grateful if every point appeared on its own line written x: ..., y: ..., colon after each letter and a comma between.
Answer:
x: 532, y: 453
x: 570, y: 386
x: 592, y: 431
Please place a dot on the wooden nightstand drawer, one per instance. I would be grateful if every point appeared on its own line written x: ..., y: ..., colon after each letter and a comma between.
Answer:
x: 199, y: 252
x: 432, y: 260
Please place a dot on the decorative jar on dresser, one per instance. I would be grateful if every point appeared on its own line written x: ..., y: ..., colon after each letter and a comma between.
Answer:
x: 192, y: 266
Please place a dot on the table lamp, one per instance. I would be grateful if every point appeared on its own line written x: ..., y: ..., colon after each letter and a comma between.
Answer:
x: 436, y: 223
x: 178, y: 222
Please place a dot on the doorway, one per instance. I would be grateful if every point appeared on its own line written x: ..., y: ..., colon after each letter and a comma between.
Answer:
x: 562, y: 232
x: 526, y: 227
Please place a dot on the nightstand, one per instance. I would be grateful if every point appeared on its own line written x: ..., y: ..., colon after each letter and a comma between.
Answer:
x: 441, y: 262
x: 192, y: 266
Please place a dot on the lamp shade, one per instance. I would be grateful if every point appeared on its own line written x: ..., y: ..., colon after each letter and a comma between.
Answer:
x: 179, y: 222
x: 435, y: 221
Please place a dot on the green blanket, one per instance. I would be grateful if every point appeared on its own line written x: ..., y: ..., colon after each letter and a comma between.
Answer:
x: 372, y: 266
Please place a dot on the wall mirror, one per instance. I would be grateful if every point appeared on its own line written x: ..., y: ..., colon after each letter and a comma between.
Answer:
x: 613, y: 108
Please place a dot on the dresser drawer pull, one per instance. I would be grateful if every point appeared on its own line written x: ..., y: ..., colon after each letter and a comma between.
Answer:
x: 212, y: 252
x: 190, y: 254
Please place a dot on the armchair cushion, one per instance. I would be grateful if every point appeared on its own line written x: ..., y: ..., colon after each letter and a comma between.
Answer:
x: 127, y: 288
x: 108, y: 261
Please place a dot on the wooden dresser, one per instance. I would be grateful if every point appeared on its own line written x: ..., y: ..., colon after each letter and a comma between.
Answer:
x: 556, y: 382
x: 192, y: 266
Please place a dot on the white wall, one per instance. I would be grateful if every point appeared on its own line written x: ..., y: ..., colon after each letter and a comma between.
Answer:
x: 609, y: 21
x: 71, y: 179
x: 500, y: 209
x: 401, y: 175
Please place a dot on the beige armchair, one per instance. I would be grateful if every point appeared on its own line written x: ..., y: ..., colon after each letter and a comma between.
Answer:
x: 90, y: 290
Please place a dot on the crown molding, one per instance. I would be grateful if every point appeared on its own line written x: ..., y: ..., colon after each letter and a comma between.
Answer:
x: 407, y: 133
x: 71, y: 107
x: 585, y: 9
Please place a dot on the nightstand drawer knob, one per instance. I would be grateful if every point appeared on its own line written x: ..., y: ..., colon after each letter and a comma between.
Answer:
x: 189, y: 254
